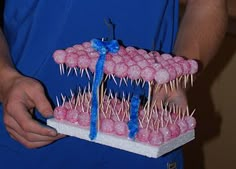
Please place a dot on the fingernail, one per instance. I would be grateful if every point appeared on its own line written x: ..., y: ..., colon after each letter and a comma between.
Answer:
x: 53, y: 133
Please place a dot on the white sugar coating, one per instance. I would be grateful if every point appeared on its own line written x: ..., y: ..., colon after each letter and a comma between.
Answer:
x: 166, y: 56
x: 194, y: 66
x: 71, y: 60
x: 121, y: 70
x: 83, y: 61
x: 147, y: 73
x: 71, y: 50
x: 59, y: 56
x: 162, y: 76
x: 109, y: 67
x: 134, y: 72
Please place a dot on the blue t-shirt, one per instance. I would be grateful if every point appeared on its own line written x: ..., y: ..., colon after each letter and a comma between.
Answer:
x: 35, y: 29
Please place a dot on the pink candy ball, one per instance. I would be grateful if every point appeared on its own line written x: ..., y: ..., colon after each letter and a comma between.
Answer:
x: 72, y: 115
x: 175, y: 130
x: 107, y: 125
x: 60, y: 112
x: 143, y: 135
x: 162, y: 76
x: 121, y: 128
x: 156, y: 138
x: 59, y: 56
x: 166, y: 133
x: 183, y: 125
x: 84, y: 119
x: 191, y: 121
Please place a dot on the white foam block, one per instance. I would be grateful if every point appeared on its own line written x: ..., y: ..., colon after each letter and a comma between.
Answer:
x: 67, y: 128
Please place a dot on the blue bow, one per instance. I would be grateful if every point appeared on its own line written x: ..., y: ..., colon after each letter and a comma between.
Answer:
x: 102, y: 47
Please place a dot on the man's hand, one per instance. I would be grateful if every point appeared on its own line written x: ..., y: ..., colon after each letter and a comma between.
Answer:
x: 20, y: 97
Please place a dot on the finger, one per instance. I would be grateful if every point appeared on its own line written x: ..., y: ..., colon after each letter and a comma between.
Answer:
x: 40, y: 101
x: 13, y: 125
x: 28, y: 124
x: 30, y: 144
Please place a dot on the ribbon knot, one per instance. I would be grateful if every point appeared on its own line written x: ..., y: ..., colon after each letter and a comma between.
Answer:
x: 105, y: 46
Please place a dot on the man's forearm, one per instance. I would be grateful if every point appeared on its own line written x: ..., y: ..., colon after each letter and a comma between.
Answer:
x: 202, y: 29
x: 7, y: 70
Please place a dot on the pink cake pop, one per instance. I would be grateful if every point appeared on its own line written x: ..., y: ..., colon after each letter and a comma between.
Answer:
x: 166, y: 133
x: 72, y: 115
x: 156, y: 138
x: 147, y: 74
x: 121, y: 70
x: 83, y: 61
x: 84, y: 119
x: 143, y: 135
x: 107, y: 125
x: 60, y: 112
x: 121, y: 128
x: 162, y: 76
x: 191, y: 121
x: 134, y: 72
x: 109, y: 67
x: 92, y: 65
x: 183, y: 125
x: 175, y: 130
x: 59, y: 57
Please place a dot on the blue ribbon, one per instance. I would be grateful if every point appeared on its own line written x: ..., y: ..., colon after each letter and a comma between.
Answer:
x: 102, y: 47
x: 133, y: 122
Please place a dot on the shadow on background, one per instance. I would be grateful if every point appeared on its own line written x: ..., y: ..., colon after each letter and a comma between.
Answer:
x: 1, y: 12
x: 208, y: 120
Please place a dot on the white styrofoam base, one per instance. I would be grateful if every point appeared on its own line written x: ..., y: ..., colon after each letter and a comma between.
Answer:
x: 70, y: 129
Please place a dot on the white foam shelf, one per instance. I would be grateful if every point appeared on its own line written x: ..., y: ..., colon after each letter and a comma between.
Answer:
x: 67, y: 128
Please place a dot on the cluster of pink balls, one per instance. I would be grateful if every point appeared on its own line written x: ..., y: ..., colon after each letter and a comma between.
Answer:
x: 155, y: 126
x: 135, y: 64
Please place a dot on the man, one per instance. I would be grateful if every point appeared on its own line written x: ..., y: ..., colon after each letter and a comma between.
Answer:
x: 30, y: 79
